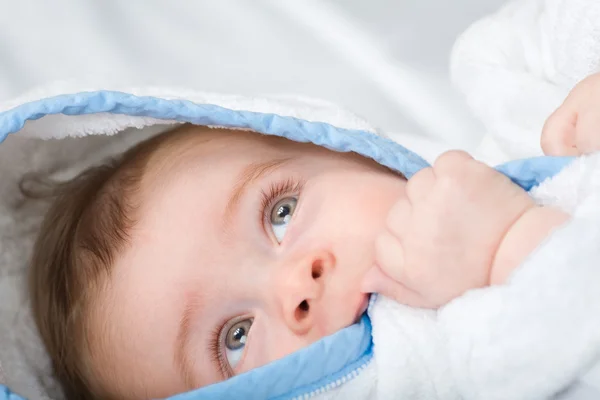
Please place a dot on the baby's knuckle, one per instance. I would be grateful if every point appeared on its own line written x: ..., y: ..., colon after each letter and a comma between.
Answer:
x: 451, y: 161
x: 451, y: 181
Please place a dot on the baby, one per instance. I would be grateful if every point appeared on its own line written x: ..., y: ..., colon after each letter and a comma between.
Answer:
x: 204, y: 253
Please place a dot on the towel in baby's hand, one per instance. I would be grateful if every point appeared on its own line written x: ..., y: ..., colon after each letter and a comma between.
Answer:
x: 536, y: 337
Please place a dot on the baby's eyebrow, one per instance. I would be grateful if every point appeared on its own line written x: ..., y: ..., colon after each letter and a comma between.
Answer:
x: 247, y: 176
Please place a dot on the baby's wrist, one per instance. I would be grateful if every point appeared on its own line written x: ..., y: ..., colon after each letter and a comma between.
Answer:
x: 523, y: 237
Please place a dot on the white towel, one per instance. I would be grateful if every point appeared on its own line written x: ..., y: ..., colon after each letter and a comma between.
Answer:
x: 516, y: 66
x: 533, y: 338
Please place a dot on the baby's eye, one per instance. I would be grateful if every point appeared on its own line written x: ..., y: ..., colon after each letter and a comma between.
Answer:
x: 235, y: 341
x: 281, y: 214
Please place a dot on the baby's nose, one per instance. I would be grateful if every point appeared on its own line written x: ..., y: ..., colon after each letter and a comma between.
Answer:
x: 302, y: 291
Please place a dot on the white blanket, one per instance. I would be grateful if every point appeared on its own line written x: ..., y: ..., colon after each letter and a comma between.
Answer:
x: 536, y: 337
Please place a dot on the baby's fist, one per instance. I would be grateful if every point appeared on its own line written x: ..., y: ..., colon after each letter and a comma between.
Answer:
x: 574, y: 128
x: 442, y: 237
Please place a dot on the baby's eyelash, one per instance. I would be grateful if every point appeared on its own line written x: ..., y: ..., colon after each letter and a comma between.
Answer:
x: 214, y: 350
x: 276, y: 191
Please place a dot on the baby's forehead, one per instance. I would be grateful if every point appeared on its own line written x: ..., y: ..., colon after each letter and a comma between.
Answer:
x: 200, y: 138
x: 195, y: 143
x: 193, y: 149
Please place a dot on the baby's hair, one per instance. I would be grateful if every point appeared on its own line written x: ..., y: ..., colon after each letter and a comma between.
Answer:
x: 87, y: 224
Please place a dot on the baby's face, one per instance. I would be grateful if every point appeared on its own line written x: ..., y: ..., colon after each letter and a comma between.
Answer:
x: 247, y: 248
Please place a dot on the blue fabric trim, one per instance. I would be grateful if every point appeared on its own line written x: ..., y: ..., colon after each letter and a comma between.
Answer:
x: 530, y: 172
x: 382, y: 150
x: 334, y: 356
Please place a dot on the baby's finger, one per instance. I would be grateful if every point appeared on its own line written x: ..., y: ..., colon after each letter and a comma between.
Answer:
x: 398, y: 217
x: 419, y: 186
x: 389, y: 255
x: 559, y: 133
x: 376, y: 281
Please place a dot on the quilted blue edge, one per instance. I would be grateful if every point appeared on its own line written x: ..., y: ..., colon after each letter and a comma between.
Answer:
x: 368, y: 144
x: 332, y: 357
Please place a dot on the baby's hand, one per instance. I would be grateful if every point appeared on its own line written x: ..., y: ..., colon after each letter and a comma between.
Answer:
x: 574, y: 128
x: 441, y: 239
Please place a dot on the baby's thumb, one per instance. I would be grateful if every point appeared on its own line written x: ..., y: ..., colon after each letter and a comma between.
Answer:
x: 377, y: 281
